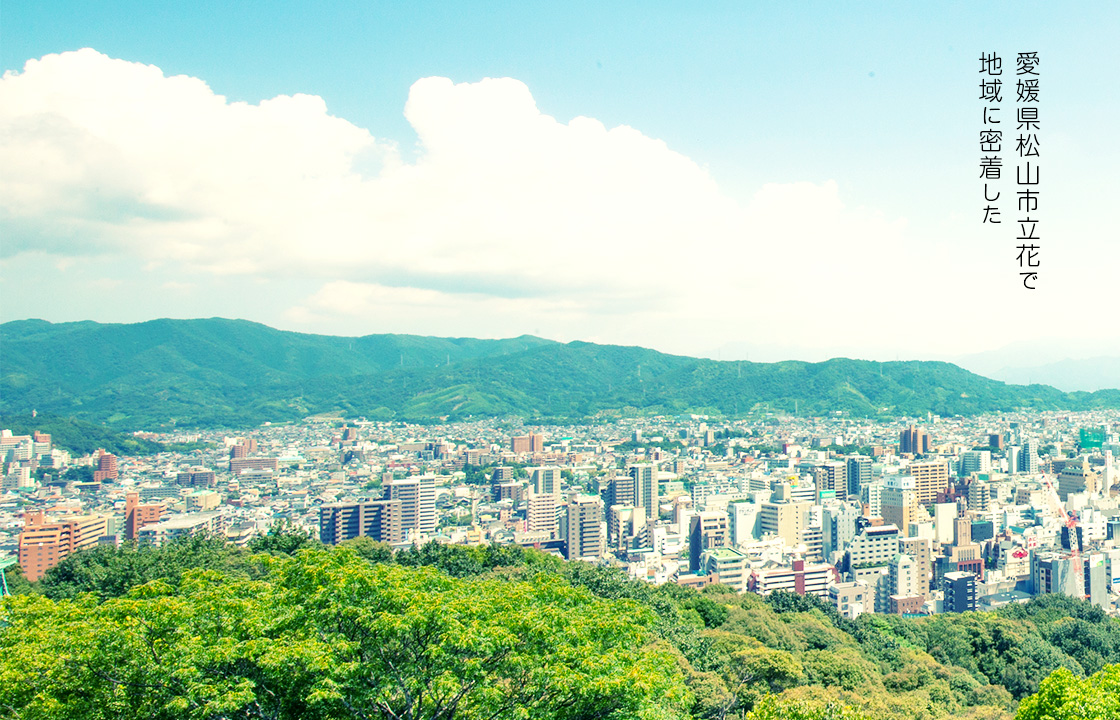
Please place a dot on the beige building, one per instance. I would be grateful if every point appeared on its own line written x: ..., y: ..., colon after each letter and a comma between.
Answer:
x: 930, y: 478
x: 43, y: 545
x: 585, y: 516
x: 900, y: 502
x: 786, y: 520
x: 1076, y: 477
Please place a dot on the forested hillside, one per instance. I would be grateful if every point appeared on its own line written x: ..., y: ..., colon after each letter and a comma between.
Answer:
x: 232, y: 373
x: 292, y: 629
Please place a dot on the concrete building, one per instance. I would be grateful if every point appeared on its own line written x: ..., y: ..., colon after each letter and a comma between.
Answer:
x: 540, y: 512
x: 645, y: 479
x: 584, y: 533
x: 786, y: 520
x: 707, y: 530
x: 858, y: 473
x: 43, y: 545
x: 208, y: 523
x: 960, y: 592
x: 800, y: 578
x: 851, y: 599
x: 729, y: 564
x: 137, y: 515
x: 919, y: 550
x: 900, y: 502
x: 380, y: 520
x: 545, y: 479
x: 930, y: 479
x: 1077, y: 477
x: 417, y: 497
x: 914, y: 441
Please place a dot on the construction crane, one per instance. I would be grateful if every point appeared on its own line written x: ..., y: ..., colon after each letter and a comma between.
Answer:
x: 1070, y: 521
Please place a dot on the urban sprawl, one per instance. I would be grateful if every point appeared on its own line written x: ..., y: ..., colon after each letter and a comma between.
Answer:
x: 913, y: 516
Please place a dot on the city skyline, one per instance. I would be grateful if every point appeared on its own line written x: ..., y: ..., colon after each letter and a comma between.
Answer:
x: 732, y: 183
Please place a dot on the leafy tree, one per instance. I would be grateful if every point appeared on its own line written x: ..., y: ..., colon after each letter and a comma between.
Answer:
x: 283, y: 537
x: 327, y: 635
x: 1064, y: 696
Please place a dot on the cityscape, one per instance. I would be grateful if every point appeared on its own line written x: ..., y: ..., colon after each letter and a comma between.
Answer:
x: 559, y: 361
x: 912, y: 517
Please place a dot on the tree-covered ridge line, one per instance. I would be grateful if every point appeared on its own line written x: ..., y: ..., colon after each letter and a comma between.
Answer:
x: 80, y: 437
x: 229, y: 373
x: 290, y: 628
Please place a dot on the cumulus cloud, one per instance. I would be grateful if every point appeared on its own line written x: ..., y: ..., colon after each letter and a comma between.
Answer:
x: 507, y: 218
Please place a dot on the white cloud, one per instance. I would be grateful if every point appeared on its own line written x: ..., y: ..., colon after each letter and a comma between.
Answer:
x: 509, y: 220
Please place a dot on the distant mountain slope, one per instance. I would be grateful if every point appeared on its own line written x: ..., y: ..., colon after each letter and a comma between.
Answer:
x: 229, y: 372
x: 1089, y: 373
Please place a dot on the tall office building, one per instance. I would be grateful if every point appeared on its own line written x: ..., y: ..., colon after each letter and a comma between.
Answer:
x: 786, y: 520
x: 43, y: 545
x: 645, y: 488
x: 137, y: 516
x: 900, y: 502
x: 707, y: 530
x: 832, y: 476
x: 913, y: 440
x: 960, y: 591
x: 585, y: 516
x: 545, y: 479
x: 859, y: 474
x: 979, y: 496
x: 540, y: 512
x: 380, y: 520
x: 417, y: 497
x: 976, y: 461
x: 106, y: 467
x: 1028, y: 457
x: 930, y: 478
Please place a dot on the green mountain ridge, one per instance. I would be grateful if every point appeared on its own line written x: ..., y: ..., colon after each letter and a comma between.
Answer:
x: 218, y: 372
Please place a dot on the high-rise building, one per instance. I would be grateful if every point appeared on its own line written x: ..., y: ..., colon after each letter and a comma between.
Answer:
x: 380, y: 520
x: 979, y: 496
x: 918, y: 549
x: 913, y: 440
x: 137, y: 516
x: 902, y: 576
x: 106, y: 467
x: 545, y: 479
x: 707, y: 530
x: 1014, y: 453
x: 786, y: 520
x: 960, y: 592
x: 417, y: 497
x: 976, y: 461
x: 1077, y: 477
x: 43, y: 545
x: 900, y: 502
x: 645, y: 487
x: 585, y: 517
x: 832, y: 476
x: 838, y: 527
x: 540, y: 512
x: 930, y: 478
x: 859, y: 474
x: 1028, y: 457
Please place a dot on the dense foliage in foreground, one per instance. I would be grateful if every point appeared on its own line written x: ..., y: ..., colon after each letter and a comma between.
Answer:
x: 292, y: 629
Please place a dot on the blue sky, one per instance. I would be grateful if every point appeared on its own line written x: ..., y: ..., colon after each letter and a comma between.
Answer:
x: 860, y: 115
